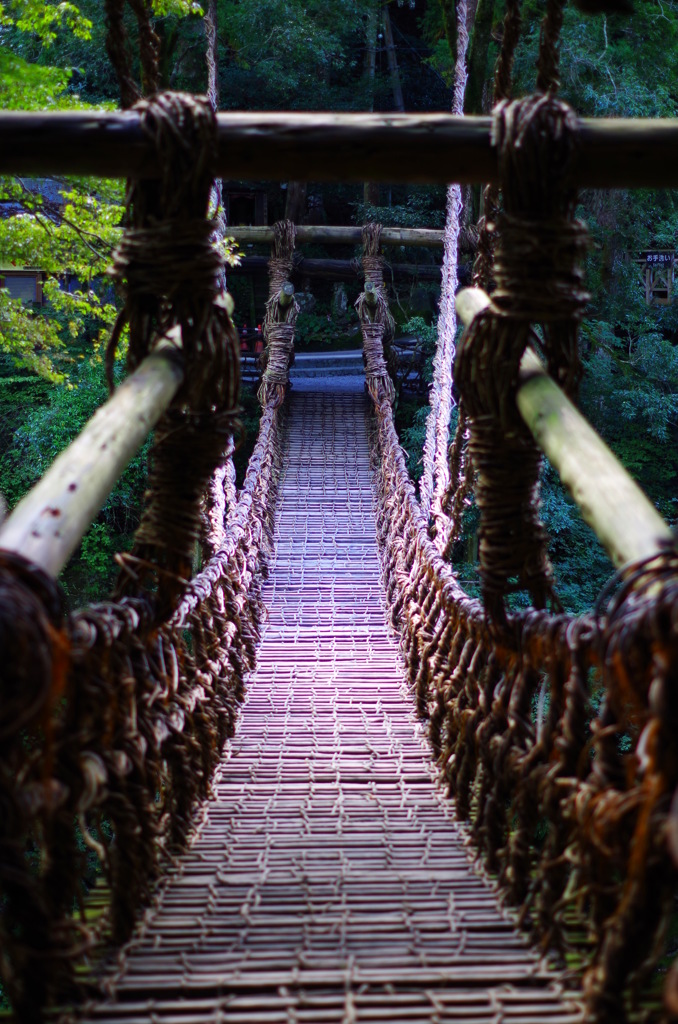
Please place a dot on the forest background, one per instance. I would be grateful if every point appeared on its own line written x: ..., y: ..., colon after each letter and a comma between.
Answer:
x: 334, y: 55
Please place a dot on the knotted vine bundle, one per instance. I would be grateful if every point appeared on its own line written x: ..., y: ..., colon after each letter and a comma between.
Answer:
x: 280, y: 320
x: 538, y: 280
x: 460, y: 483
x: 116, y: 716
x: 376, y: 323
x: 169, y: 273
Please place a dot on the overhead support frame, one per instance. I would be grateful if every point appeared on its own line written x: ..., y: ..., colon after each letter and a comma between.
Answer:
x: 424, y: 148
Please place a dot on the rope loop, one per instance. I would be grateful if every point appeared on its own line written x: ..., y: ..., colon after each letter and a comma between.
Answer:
x: 538, y: 273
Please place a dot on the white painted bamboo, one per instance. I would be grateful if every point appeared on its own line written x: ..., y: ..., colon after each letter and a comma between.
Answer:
x: 610, y: 501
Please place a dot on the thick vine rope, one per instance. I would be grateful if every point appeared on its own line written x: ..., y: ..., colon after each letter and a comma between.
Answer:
x: 460, y: 483
x: 169, y: 270
x: 436, y: 474
x: 539, y: 280
x: 280, y: 320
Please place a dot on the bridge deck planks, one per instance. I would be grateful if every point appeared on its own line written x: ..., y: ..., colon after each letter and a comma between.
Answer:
x: 329, y: 881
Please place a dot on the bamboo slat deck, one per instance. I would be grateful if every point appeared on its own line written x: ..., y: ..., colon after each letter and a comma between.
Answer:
x: 328, y: 881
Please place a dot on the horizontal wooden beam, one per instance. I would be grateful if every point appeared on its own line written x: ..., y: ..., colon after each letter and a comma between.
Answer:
x: 427, y: 148
x: 340, y: 270
x: 49, y: 523
x: 610, y: 501
x: 322, y: 234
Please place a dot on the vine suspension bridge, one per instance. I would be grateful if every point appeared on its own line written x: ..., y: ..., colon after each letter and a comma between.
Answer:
x: 250, y: 749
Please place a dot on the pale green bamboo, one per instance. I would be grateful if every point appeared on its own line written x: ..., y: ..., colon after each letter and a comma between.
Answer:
x: 610, y: 501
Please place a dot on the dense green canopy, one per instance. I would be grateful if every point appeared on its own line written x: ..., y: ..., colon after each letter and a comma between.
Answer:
x: 285, y: 54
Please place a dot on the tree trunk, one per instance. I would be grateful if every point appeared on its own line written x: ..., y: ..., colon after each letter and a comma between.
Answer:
x: 295, y: 205
x: 449, y: 24
x: 371, y: 188
x: 398, y: 103
x: 477, y: 60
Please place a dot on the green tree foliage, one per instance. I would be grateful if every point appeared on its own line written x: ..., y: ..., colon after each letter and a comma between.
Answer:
x: 51, y: 377
x: 294, y: 54
x: 289, y: 54
x: 50, y: 418
x: 72, y: 241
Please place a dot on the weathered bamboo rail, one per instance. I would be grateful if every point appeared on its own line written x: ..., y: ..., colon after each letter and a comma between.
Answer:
x: 341, y: 270
x: 331, y: 235
x: 623, y: 518
x: 426, y: 148
x: 50, y: 521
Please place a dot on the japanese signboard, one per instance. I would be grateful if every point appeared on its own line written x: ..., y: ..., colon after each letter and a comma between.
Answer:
x: 654, y: 256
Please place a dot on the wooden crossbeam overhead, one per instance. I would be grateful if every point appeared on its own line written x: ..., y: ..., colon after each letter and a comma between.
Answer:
x: 330, y: 235
x: 427, y: 148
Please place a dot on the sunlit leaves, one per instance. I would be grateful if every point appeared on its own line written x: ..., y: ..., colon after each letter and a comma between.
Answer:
x: 44, y: 18
x: 31, y: 339
x: 178, y: 8
x: 25, y: 86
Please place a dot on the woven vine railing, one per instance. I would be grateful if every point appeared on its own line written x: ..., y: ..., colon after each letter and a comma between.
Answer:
x: 113, y: 718
x: 555, y: 735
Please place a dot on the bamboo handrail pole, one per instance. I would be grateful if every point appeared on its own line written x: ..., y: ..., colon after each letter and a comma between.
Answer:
x: 610, y: 501
x: 50, y: 521
x: 426, y: 148
x: 286, y: 296
x: 331, y: 235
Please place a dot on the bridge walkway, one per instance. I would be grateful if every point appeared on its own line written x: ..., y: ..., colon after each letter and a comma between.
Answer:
x: 328, y: 881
